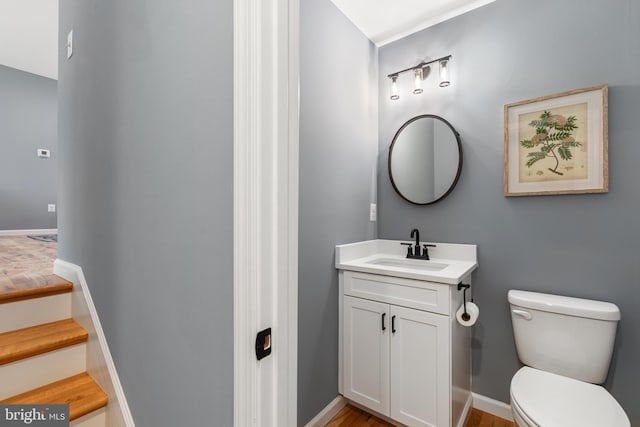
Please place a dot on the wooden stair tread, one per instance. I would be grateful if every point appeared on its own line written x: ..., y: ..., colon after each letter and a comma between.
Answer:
x: 27, y: 342
x: 80, y: 392
x: 18, y: 288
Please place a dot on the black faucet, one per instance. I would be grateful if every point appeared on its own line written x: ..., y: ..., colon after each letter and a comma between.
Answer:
x: 416, y: 252
x: 417, y: 234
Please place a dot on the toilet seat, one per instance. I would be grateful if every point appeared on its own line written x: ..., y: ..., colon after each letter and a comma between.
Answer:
x: 520, y: 417
x: 543, y: 399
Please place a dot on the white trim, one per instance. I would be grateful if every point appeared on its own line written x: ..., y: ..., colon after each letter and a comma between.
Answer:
x: 340, y: 330
x: 328, y: 412
x: 265, y: 209
x: 288, y: 116
x: 99, y: 362
x: 38, y: 231
x: 245, y: 370
x: 466, y: 411
x: 492, y: 406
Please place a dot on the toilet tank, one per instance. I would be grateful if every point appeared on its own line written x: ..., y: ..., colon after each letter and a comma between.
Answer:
x: 568, y: 336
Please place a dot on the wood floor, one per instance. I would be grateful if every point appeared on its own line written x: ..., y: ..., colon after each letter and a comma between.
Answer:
x: 25, y: 263
x: 351, y: 416
x: 478, y: 418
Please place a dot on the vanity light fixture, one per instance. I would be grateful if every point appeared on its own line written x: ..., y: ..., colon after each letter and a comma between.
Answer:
x: 394, y: 87
x: 417, y: 81
x: 444, y: 73
x: 420, y: 72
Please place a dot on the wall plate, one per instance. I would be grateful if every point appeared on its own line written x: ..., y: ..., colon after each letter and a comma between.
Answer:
x: 70, y: 44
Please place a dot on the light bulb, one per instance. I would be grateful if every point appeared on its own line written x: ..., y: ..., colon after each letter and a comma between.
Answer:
x: 417, y: 81
x: 394, y: 88
x: 444, y: 73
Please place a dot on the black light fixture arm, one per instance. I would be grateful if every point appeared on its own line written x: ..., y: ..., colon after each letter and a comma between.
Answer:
x: 420, y: 65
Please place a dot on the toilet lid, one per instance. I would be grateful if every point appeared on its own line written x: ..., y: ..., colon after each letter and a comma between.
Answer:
x: 551, y: 400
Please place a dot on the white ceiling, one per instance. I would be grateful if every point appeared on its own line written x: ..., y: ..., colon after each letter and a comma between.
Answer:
x: 29, y: 36
x: 384, y: 21
x: 29, y: 28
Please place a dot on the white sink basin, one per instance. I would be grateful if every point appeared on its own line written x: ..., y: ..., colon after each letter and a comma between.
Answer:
x: 450, y: 262
x: 409, y: 263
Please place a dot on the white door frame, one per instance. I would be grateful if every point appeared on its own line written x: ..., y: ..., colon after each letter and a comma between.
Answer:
x: 265, y: 210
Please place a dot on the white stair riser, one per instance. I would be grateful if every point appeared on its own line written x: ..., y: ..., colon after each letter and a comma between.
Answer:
x: 94, y: 419
x: 36, y: 311
x: 33, y: 372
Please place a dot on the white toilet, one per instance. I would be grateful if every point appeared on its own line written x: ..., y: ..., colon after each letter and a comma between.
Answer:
x: 566, y: 344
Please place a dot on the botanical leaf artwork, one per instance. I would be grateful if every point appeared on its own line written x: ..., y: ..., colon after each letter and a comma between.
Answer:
x: 557, y: 144
x: 552, y: 144
x: 554, y: 138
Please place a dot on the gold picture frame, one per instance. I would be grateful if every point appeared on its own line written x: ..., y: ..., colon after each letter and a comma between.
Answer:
x: 557, y: 144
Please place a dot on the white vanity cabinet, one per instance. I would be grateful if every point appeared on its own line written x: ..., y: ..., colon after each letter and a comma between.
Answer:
x: 366, y: 353
x: 396, y: 361
x: 403, y: 355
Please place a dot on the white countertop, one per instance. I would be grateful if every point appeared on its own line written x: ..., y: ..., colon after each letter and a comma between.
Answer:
x: 460, y: 260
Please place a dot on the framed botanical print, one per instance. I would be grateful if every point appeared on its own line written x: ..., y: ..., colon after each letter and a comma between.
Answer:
x: 557, y: 144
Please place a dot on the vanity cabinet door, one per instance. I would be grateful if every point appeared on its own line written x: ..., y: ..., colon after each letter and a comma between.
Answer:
x: 366, y: 353
x: 419, y: 368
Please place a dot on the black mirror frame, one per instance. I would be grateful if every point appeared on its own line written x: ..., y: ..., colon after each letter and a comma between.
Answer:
x: 395, y: 138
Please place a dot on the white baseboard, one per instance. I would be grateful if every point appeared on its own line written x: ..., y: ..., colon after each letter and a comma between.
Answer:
x: 328, y: 412
x: 99, y: 362
x: 466, y: 411
x: 37, y: 231
x: 492, y: 406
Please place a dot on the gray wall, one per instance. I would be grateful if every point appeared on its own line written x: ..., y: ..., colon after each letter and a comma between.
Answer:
x: 146, y: 195
x: 28, y: 121
x: 338, y: 149
x: 579, y: 245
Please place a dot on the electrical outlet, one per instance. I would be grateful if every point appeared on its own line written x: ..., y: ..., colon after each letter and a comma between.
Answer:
x: 43, y: 153
x: 51, y: 207
x: 373, y: 212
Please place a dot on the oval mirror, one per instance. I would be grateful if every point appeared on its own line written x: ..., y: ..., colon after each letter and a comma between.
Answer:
x: 425, y: 159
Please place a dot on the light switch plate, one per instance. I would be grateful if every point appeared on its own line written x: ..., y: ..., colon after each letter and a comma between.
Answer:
x: 51, y: 207
x: 70, y: 44
x: 43, y: 153
x: 373, y: 212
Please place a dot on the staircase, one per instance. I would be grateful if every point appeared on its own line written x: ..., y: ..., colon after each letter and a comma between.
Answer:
x: 43, y: 352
